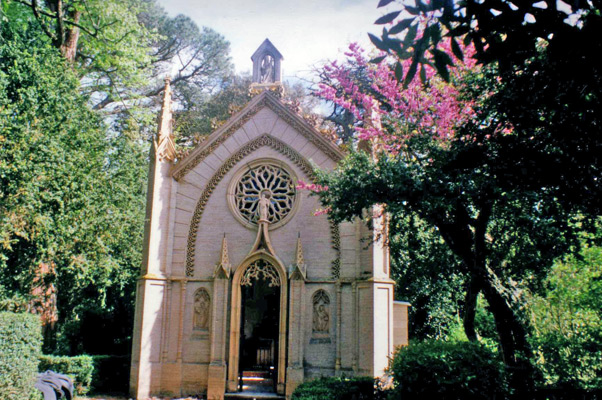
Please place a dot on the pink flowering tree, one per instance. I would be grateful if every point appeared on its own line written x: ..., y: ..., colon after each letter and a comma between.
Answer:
x: 437, y: 150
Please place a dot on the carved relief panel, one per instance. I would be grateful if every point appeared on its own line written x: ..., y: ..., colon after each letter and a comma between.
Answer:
x: 321, y: 316
x: 202, y: 310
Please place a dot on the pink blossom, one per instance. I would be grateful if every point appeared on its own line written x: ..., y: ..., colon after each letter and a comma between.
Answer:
x: 301, y: 185
x: 434, y: 109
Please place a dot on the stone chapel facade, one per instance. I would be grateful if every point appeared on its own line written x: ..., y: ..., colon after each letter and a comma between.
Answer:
x: 239, y: 278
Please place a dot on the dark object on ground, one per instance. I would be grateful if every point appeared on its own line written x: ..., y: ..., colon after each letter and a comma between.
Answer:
x: 54, y: 386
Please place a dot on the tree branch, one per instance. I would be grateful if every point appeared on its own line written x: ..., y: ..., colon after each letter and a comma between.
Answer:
x: 37, y: 13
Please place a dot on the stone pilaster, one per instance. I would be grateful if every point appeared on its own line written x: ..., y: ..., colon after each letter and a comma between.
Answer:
x: 216, y: 384
x: 294, y: 370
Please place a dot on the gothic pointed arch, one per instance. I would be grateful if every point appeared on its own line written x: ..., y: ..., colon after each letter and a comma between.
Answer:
x: 250, y: 147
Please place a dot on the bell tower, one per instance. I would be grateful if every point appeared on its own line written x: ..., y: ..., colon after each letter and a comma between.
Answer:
x: 267, y: 72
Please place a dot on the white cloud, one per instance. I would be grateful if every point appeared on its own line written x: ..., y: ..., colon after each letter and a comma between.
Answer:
x: 306, y: 32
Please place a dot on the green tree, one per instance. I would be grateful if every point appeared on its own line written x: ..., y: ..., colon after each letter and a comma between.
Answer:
x: 122, y: 50
x: 427, y: 275
x: 460, y: 181
x: 71, y: 196
x: 556, y: 127
x: 103, y: 39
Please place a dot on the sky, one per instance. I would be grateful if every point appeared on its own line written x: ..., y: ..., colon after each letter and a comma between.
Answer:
x: 306, y: 32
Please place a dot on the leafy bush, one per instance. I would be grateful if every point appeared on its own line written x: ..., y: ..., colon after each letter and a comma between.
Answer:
x: 80, y: 368
x: 570, y: 363
x: 343, y: 388
x: 447, y: 370
x: 111, y: 374
x: 20, y: 348
x: 567, y: 323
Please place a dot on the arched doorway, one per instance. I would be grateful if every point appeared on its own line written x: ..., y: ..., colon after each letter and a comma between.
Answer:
x: 258, y: 326
x: 260, y: 317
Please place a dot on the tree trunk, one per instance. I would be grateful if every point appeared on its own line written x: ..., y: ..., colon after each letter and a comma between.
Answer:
x: 469, y: 309
x: 69, y: 46
x: 512, y: 334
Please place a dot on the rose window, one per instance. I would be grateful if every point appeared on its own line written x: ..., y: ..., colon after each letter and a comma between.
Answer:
x: 266, y: 181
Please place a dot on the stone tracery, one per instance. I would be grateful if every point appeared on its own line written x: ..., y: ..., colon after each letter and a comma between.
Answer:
x: 265, y: 181
x: 260, y: 269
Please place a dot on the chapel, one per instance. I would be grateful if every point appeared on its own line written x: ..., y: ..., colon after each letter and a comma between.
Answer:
x: 243, y: 288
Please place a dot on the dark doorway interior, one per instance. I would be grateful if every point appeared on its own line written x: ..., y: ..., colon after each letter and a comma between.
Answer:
x: 259, y: 336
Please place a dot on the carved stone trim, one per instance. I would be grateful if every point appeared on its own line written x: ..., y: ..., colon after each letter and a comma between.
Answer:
x: 198, y: 158
x: 273, y: 104
x: 260, y: 269
x: 336, y: 245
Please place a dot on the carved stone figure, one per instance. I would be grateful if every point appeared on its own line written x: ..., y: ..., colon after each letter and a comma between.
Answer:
x: 202, y: 302
x: 267, y: 69
x: 321, y: 318
x: 264, y: 206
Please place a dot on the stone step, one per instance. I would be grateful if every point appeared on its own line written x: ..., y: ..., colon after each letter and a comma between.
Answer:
x: 256, y: 374
x: 253, y: 396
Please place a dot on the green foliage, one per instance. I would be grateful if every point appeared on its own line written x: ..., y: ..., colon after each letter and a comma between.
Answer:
x: 97, y: 374
x: 567, y: 322
x: 79, y: 368
x: 71, y: 193
x: 202, y: 113
x: 447, y: 370
x: 426, y: 275
x: 109, y: 47
x: 111, y: 374
x: 20, y: 348
x: 73, y: 178
x: 337, y: 389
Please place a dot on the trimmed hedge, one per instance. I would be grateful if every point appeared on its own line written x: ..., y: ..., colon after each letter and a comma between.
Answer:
x: 343, y: 388
x: 447, y: 370
x: 20, y: 349
x: 80, y: 368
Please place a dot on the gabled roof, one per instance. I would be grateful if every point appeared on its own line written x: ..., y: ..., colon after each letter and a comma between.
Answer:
x: 267, y: 46
x: 265, y: 99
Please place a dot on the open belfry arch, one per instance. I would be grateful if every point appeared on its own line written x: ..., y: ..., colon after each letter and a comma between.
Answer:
x: 242, y: 287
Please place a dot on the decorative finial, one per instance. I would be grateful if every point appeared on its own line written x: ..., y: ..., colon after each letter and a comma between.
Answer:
x: 298, y: 270
x: 225, y: 258
x: 222, y: 269
x: 165, y: 147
